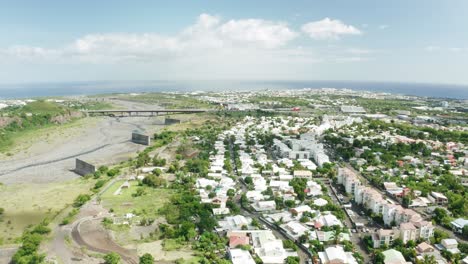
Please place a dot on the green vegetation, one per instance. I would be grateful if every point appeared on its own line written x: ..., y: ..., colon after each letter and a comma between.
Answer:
x: 170, y: 101
x: 81, y: 200
x: 29, y: 204
x: 31, y: 239
x: 112, y: 258
x: 146, y: 259
x: 145, y: 205
x: 33, y: 116
x: 68, y: 219
x: 38, y: 115
x: 172, y: 244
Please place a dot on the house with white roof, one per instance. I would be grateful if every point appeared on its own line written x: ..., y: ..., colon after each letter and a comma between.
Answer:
x: 221, y: 211
x: 294, y: 229
x: 458, y: 224
x: 320, y: 202
x: 254, y: 196
x: 283, y: 217
x: 326, y: 219
x: 313, y: 189
x: 203, y: 183
x: 300, y: 210
x: 239, y: 256
x: 264, y: 206
x: 451, y: 245
x: 393, y: 256
x: 336, y: 255
x: 268, y: 248
x: 236, y: 222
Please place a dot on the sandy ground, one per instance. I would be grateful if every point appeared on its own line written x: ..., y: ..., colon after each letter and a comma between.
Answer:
x: 104, y: 141
x: 160, y: 255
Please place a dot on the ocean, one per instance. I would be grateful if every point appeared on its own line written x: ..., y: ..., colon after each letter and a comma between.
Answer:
x: 106, y: 87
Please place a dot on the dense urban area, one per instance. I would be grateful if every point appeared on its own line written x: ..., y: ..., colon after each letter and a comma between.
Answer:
x: 330, y: 176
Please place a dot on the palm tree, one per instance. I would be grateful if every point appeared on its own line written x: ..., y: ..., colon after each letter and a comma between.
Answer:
x: 336, y: 235
x: 429, y: 260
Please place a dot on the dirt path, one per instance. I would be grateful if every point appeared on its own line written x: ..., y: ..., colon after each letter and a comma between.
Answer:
x: 89, y: 233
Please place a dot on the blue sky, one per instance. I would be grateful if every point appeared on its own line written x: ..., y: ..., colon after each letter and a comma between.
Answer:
x: 405, y: 41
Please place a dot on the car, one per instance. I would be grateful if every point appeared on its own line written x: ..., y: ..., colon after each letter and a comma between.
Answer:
x: 354, y: 230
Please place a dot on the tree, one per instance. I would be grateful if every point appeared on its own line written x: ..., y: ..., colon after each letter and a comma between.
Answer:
x: 153, y: 181
x: 157, y: 172
x: 248, y: 180
x: 289, y: 244
x: 292, y: 260
x: 142, y: 159
x: 112, y: 258
x: 187, y: 230
x: 113, y: 172
x: 139, y: 192
x: 465, y: 231
x: 146, y: 259
x: 406, y: 200
x: 439, y: 215
x: 81, y: 200
x: 231, y: 192
x: 336, y: 235
x: 379, y: 258
x: 99, y: 184
x: 2, y: 211
x: 428, y: 259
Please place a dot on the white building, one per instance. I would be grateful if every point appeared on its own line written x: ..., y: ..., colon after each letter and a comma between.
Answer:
x: 268, y: 248
x: 239, y: 256
x: 336, y: 255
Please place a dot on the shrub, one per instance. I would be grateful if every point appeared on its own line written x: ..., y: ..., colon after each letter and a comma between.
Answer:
x: 113, y: 172
x: 112, y: 258
x: 81, y: 200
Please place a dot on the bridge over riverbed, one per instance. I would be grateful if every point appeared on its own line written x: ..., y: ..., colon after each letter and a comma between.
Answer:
x: 145, y: 112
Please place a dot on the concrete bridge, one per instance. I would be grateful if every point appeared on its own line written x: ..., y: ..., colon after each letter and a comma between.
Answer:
x: 147, y: 112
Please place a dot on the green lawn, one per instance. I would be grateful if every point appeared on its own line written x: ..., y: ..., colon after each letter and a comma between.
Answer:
x: 146, y: 205
x: 172, y: 244
x: 29, y: 204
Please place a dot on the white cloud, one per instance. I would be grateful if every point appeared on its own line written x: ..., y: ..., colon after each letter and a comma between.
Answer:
x: 359, y: 51
x: 267, y: 34
x: 210, y: 47
x: 383, y: 27
x: 329, y: 29
x: 352, y: 59
x: 431, y: 48
x: 456, y: 49
x: 30, y: 52
x: 208, y: 33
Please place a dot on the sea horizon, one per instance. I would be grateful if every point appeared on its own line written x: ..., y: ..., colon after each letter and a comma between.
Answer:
x: 83, y: 88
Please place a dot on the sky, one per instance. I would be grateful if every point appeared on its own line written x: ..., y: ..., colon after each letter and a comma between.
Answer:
x: 87, y: 40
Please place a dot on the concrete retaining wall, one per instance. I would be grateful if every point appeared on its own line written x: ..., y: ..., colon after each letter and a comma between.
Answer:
x: 141, y: 139
x: 82, y: 167
x: 171, y: 121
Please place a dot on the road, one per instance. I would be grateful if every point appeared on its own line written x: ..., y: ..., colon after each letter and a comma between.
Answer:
x: 367, y: 182
x: 355, y: 237
x: 303, y: 254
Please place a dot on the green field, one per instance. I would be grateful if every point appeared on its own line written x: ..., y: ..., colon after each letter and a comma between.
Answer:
x: 146, y: 205
x: 171, y: 101
x: 23, y: 139
x: 27, y: 204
